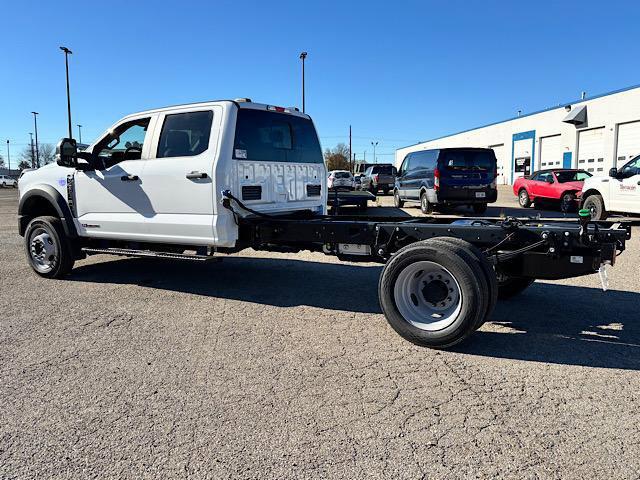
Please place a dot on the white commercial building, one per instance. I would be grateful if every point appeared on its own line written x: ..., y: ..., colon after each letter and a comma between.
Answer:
x: 594, y: 134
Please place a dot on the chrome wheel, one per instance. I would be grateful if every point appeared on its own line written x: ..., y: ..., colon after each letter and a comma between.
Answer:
x: 43, y: 250
x: 428, y: 296
x: 524, y: 198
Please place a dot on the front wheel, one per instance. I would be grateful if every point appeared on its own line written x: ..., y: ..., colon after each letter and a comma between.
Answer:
x: 432, y: 294
x: 595, y: 205
x: 48, y: 249
x: 523, y: 198
x: 397, y: 201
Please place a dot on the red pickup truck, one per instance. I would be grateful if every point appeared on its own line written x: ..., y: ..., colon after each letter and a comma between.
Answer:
x: 563, y: 186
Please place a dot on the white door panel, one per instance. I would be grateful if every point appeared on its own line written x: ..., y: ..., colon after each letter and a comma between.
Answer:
x: 628, y: 145
x: 107, y: 205
x: 551, y: 152
x: 183, y: 207
x: 591, y: 155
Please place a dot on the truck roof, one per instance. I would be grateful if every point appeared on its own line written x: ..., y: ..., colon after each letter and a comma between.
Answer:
x: 239, y: 102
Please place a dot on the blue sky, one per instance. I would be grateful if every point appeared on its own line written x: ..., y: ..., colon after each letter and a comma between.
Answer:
x: 398, y: 72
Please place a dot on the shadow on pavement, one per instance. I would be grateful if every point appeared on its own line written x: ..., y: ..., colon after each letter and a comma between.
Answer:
x: 547, y: 323
x: 564, y: 325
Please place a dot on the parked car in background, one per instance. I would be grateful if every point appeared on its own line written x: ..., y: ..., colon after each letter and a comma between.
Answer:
x: 7, y: 181
x: 379, y: 177
x: 340, y: 179
x: 619, y: 192
x: 448, y: 177
x: 357, y: 182
x: 560, y: 186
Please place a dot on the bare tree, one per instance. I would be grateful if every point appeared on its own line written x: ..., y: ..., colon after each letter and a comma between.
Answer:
x: 337, y: 158
x: 1, y: 161
x: 47, y: 153
x: 27, y: 155
x: 24, y: 164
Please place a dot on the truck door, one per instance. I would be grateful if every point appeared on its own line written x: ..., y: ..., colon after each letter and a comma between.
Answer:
x: 625, y: 188
x: 110, y: 201
x: 178, y: 176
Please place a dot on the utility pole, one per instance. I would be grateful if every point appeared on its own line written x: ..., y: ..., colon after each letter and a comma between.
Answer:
x: 8, y: 155
x: 374, y: 151
x: 351, y: 164
x: 35, y: 123
x: 33, y: 155
x: 79, y: 133
x: 68, y: 52
x: 303, y: 55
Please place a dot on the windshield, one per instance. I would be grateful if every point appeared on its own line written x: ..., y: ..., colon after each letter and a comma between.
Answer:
x: 469, y: 160
x: 275, y: 137
x: 572, y: 176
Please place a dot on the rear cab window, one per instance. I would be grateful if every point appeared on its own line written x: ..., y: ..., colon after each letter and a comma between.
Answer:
x: 275, y: 137
x: 383, y: 169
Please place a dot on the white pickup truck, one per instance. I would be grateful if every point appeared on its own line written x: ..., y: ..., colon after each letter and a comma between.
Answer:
x: 617, y: 193
x: 193, y: 182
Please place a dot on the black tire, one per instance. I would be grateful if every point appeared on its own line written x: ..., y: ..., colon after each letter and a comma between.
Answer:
x: 567, y: 202
x: 397, y: 202
x: 487, y: 269
x: 479, y: 208
x: 511, y: 286
x: 473, y: 300
x: 385, y: 191
x: 595, y: 205
x: 48, y: 230
x: 425, y: 206
x: 523, y: 198
x: 373, y: 190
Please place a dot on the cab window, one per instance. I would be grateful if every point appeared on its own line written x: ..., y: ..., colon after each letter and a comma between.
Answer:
x: 124, y: 143
x: 185, y: 134
x: 406, y: 165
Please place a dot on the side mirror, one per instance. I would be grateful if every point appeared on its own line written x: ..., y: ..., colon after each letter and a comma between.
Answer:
x: 66, y: 152
x: 613, y: 172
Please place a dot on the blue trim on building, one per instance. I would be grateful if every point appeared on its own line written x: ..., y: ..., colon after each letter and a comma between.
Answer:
x: 575, y: 102
x: 531, y: 134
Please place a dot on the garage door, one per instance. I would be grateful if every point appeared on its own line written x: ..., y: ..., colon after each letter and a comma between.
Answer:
x: 628, y: 142
x: 591, y: 150
x: 503, y: 167
x: 551, y: 152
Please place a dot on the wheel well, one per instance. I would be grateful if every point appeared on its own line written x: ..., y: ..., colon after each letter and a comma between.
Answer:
x: 589, y: 193
x: 37, y: 206
x: 569, y: 191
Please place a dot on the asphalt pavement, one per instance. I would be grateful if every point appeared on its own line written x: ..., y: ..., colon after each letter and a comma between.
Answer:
x: 282, y: 366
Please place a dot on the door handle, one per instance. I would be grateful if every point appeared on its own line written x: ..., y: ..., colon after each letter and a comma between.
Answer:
x: 129, y: 178
x: 194, y: 175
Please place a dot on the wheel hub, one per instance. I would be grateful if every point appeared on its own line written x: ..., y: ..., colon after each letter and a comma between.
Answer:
x: 427, y: 296
x: 43, y: 250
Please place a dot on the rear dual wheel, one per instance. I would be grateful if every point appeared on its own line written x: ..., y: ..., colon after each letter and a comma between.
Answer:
x: 435, y: 293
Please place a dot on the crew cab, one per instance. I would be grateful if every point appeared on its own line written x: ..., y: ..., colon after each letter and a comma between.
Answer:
x: 562, y: 186
x: 617, y: 193
x: 196, y: 182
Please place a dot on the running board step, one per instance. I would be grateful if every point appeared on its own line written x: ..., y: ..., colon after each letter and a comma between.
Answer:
x: 126, y: 252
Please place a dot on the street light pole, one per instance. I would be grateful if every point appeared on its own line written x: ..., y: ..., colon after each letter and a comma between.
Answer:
x: 79, y: 133
x: 33, y: 155
x: 303, y: 55
x: 35, y: 123
x: 68, y: 52
x: 374, y: 151
x: 8, y: 155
